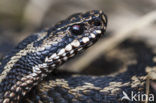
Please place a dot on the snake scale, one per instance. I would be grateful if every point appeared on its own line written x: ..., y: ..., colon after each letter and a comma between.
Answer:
x: 38, y: 55
x: 27, y: 73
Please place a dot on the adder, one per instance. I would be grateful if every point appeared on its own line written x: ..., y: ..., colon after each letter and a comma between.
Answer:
x: 27, y: 72
x: 38, y: 55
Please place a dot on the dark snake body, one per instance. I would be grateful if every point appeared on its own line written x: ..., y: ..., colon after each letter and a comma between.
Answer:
x: 66, y: 88
x: 38, y: 55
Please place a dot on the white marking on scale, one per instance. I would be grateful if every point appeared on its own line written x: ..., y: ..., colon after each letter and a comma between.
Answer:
x: 34, y: 74
x: 75, y: 43
x: 62, y: 51
x: 68, y: 47
x: 85, y: 39
x: 48, y: 47
x: 46, y: 59
x: 38, y: 53
x: 54, y: 56
x: 42, y: 48
x: 71, y: 52
x: 65, y: 58
x: 98, y: 31
x: 35, y: 69
x: 44, y: 65
x: 64, y: 54
x: 92, y: 35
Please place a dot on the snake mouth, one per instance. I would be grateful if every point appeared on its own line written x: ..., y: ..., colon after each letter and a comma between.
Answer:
x: 83, y: 36
x: 73, y: 48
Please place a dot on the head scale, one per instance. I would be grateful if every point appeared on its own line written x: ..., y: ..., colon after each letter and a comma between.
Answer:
x: 77, y: 32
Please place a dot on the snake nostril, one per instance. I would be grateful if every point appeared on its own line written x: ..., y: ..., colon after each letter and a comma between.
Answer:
x: 95, y: 22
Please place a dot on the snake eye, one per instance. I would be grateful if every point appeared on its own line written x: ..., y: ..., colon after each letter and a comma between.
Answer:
x: 95, y: 22
x: 77, y: 29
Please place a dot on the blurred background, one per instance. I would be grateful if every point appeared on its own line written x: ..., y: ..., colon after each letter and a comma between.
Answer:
x: 20, y: 18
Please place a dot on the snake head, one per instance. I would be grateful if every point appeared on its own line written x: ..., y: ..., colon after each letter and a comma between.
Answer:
x: 87, y: 27
x: 77, y: 32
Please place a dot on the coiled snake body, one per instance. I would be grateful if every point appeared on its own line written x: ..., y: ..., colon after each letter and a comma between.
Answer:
x: 38, y: 55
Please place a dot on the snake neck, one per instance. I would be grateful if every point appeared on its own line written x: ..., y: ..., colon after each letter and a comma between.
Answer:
x: 40, y: 53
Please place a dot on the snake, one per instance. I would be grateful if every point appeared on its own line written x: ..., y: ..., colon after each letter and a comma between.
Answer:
x: 37, y: 56
x: 28, y: 73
